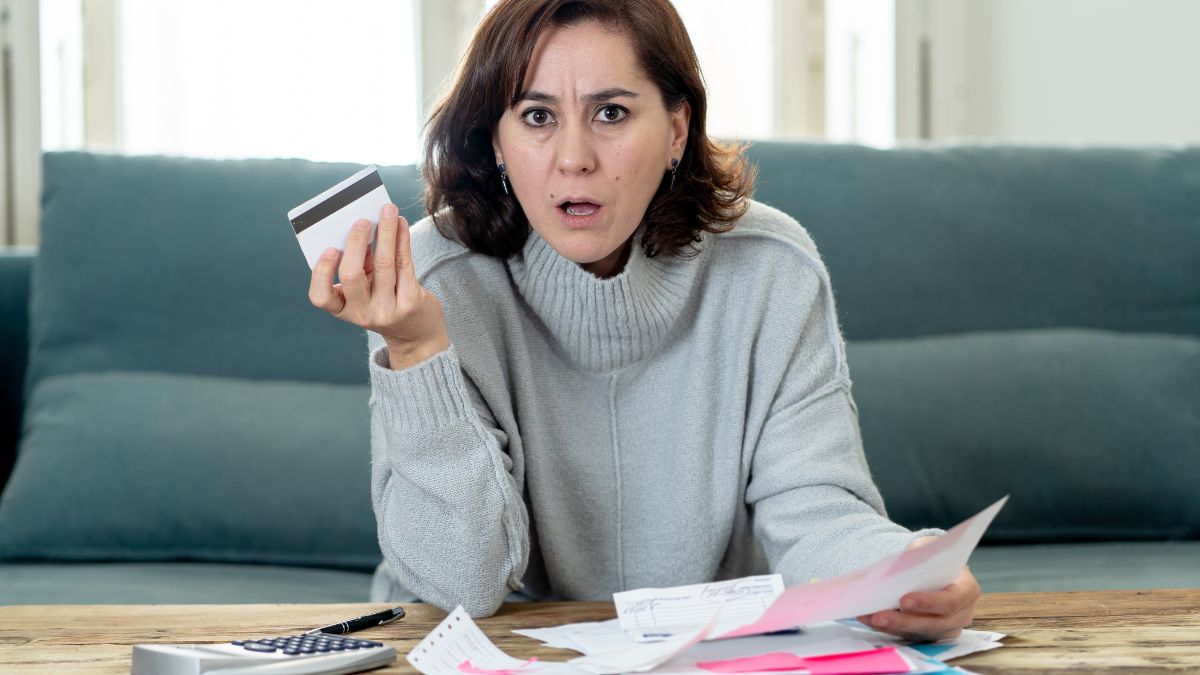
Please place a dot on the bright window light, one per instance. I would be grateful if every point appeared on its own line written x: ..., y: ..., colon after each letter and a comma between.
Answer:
x: 735, y: 45
x: 326, y: 80
x: 860, y: 72
x: 61, y: 43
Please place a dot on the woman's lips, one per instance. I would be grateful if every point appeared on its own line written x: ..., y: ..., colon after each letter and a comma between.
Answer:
x: 579, y: 214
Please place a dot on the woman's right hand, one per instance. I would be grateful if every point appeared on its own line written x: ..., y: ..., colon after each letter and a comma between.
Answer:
x: 379, y: 290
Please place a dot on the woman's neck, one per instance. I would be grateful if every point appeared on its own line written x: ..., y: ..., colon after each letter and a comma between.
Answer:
x: 612, y: 264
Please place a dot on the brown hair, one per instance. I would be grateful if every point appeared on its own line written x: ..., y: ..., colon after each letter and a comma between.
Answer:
x: 463, y: 191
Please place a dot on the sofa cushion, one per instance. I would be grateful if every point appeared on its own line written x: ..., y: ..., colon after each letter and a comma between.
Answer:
x: 176, y: 583
x: 149, y: 466
x: 1094, y: 434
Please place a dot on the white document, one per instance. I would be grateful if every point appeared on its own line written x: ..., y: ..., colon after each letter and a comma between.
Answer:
x: 588, y: 637
x: 876, y: 587
x: 644, y: 657
x: 457, y: 639
x: 650, y: 613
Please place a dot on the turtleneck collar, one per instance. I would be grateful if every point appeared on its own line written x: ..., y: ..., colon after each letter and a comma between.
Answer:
x: 605, y: 324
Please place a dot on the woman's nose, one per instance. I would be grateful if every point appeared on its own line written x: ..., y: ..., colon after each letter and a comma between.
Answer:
x: 575, y: 151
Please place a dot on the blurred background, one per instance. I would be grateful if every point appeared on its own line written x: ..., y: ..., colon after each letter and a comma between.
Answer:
x: 351, y: 80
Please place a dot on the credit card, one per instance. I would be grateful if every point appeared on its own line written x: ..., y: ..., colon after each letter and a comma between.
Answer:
x: 325, y: 220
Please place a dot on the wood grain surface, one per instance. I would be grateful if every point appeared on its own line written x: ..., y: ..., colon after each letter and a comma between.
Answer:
x: 1149, y: 631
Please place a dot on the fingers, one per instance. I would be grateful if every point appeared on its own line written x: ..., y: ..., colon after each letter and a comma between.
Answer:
x: 321, y: 291
x: 919, y: 627
x: 370, y: 278
x: 355, y: 286
x: 931, y: 616
x: 949, y: 600
x: 405, y: 270
x: 384, y: 263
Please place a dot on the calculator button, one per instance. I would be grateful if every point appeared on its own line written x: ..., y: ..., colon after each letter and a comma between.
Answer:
x: 291, y: 651
x: 259, y: 647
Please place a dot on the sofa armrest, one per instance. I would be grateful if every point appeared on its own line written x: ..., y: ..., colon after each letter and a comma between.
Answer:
x: 16, y: 265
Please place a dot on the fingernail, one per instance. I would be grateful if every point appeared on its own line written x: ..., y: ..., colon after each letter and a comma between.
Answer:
x: 330, y: 253
x: 883, y: 621
x: 910, y: 604
x: 389, y: 210
x: 362, y: 225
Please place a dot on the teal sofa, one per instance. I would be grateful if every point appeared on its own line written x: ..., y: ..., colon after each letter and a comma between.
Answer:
x: 187, y: 428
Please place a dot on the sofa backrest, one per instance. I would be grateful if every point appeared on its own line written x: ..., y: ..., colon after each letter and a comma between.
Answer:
x: 201, y: 270
x: 938, y: 240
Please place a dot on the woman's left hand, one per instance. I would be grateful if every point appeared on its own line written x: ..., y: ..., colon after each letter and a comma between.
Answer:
x: 926, y: 617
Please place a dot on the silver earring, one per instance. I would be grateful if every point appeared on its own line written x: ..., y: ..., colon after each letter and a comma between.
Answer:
x: 503, y: 178
x: 674, y: 168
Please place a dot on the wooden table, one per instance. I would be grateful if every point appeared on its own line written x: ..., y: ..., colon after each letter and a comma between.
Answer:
x: 1083, y: 632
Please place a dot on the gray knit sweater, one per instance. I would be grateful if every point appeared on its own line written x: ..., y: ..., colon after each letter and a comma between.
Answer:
x: 687, y: 420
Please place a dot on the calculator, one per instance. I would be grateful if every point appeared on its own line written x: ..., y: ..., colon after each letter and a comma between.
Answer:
x: 307, y: 654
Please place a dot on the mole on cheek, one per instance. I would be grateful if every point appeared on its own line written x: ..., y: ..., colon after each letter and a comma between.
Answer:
x: 551, y: 195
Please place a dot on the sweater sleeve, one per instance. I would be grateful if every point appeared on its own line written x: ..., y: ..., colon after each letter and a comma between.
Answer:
x: 453, y: 526
x: 817, y: 511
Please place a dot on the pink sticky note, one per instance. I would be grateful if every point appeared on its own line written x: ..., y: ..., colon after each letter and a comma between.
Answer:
x: 466, y: 667
x: 871, y: 662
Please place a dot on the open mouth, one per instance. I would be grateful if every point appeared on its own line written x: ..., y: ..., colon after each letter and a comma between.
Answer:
x: 579, y: 208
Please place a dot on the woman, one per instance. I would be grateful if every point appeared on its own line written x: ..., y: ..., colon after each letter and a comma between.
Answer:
x: 600, y: 365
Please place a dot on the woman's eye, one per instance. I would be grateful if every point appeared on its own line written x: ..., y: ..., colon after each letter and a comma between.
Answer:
x: 537, y: 117
x: 611, y: 114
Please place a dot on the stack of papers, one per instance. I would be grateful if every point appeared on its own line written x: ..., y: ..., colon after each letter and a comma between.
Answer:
x: 691, y: 629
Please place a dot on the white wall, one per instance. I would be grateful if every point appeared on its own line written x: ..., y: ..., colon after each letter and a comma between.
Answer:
x: 1083, y: 71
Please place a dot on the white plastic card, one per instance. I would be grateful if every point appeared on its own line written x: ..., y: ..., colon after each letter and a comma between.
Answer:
x: 325, y: 220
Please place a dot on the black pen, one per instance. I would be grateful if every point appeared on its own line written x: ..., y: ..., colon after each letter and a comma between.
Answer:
x: 361, y: 622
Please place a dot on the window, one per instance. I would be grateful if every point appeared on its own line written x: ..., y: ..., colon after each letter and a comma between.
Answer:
x: 325, y: 80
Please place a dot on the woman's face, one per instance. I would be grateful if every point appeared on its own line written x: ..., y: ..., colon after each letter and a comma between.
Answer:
x: 587, y: 143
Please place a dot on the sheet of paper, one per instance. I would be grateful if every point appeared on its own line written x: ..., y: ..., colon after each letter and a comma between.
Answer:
x: 644, y: 657
x: 969, y: 642
x: 646, y: 612
x: 589, y: 637
x: 457, y: 639
x: 876, y: 587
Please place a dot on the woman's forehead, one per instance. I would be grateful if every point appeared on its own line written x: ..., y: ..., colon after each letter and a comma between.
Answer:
x: 582, y: 59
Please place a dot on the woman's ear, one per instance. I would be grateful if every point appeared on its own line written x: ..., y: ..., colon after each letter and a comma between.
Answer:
x: 680, y: 123
x: 496, y: 147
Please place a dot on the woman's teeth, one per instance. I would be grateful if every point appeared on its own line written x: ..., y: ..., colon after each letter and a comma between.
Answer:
x: 581, y: 209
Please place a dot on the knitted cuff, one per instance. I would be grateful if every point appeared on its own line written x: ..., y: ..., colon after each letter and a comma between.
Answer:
x: 432, y: 394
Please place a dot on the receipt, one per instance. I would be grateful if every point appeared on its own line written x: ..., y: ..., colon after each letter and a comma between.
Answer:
x: 660, y: 612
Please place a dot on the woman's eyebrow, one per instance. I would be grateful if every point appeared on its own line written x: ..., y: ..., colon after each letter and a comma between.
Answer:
x: 590, y: 98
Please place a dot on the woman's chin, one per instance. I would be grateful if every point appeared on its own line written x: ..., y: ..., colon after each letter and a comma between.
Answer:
x: 582, y: 248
